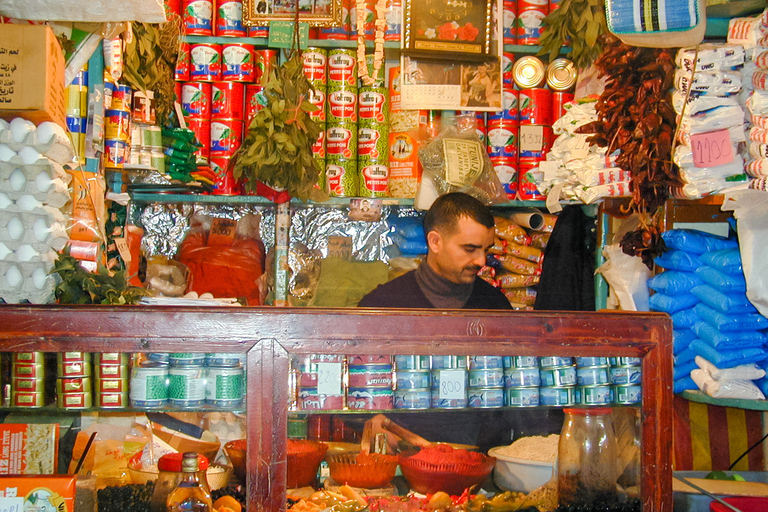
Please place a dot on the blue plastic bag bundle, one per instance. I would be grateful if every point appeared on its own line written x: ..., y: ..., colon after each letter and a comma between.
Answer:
x: 686, y: 356
x: 684, y: 369
x: 673, y: 282
x: 724, y: 302
x: 727, y: 358
x: 728, y: 340
x: 696, y: 242
x: 685, y: 319
x: 731, y: 322
x: 672, y: 303
x: 727, y: 283
x: 685, y: 384
x: 727, y: 261
x: 678, y: 260
x: 408, y: 235
x: 681, y: 339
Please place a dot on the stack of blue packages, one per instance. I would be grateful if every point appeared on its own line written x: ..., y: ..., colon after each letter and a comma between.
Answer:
x: 704, y: 291
x: 407, y: 234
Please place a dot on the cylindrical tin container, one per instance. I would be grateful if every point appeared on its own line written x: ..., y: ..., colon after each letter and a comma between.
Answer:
x: 333, y: 33
x: 316, y: 65
x: 506, y: 171
x: 342, y: 105
x: 186, y: 358
x: 562, y: 376
x: 341, y: 175
x: 225, y: 387
x: 596, y: 395
x: 237, y: 63
x: 121, y: 98
x: 509, y: 18
x: 319, y: 98
x: 535, y: 106
x: 592, y: 375
x: 394, y: 19
x: 227, y: 100
x: 534, y: 141
x: 229, y: 19
x: 412, y: 379
x: 530, y: 19
x: 626, y: 375
x: 254, y: 101
x: 149, y: 386
x: 226, y: 136
x: 485, y: 397
x: 186, y: 386
x: 372, y: 141
x: 591, y: 361
x: 112, y: 400
x: 259, y: 31
x: 368, y: 360
x: 79, y: 369
x: 81, y: 400
x: 413, y: 398
x: 224, y: 359
x: 341, y: 141
x: 448, y: 362
x: 507, y: 61
x: 319, y: 153
x: 154, y: 357
x: 266, y: 61
x: 529, y: 176
x: 491, y: 377
x: 112, y: 371
x: 561, y: 75
x: 73, y: 385
x: 450, y: 381
x: 370, y: 377
x: 374, y: 177
x: 521, y: 397
x: 485, y: 362
x: 327, y: 358
x: 342, y: 68
x: 205, y: 61
x: 74, y: 100
x: 310, y: 400
x: 28, y: 357
x: 111, y: 385
x: 446, y: 403
x: 412, y: 362
x: 548, y: 361
x: 36, y: 385
x: 115, y: 153
x: 27, y: 399
x: 520, y: 361
x: 528, y: 72
x: 196, y: 100
x: 502, y: 138
x: 628, y: 394
x: 183, y: 63
x: 373, y: 104
x: 117, y: 124
x: 625, y: 361
x: 198, y: 17
x: 559, y: 396
x: 521, y: 377
x: 369, y: 398
x: 111, y: 358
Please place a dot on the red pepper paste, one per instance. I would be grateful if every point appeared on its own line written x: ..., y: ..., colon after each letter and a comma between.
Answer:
x: 446, y: 454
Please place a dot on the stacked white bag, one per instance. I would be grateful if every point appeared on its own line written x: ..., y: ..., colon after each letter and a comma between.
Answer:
x: 575, y: 170
x: 706, y: 97
x: 34, y: 213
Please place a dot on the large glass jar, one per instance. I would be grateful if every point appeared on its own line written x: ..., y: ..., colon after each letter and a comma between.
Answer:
x: 587, y: 458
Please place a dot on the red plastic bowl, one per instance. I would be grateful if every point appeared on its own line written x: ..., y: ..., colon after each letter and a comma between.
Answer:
x: 743, y: 504
x: 304, y: 457
x: 429, y: 478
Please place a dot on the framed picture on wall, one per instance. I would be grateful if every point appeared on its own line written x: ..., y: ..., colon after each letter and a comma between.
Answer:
x: 318, y: 13
x: 445, y: 28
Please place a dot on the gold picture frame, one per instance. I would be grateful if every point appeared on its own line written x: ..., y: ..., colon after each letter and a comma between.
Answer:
x: 318, y: 13
x: 448, y: 29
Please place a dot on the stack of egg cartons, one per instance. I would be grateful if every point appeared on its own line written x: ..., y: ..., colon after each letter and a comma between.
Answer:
x: 33, y: 194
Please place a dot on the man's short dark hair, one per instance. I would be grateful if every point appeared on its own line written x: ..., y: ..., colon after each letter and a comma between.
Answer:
x: 447, y: 209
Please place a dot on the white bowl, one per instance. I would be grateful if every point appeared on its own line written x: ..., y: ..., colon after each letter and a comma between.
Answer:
x: 519, y: 475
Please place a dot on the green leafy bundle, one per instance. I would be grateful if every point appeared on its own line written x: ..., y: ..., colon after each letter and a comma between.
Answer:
x: 581, y: 22
x: 277, y: 150
x: 78, y: 286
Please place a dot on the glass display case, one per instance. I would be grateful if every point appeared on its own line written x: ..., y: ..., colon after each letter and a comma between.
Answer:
x: 277, y: 347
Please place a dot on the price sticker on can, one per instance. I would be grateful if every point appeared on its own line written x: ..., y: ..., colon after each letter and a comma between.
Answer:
x: 711, y: 148
x: 453, y: 384
x: 328, y: 378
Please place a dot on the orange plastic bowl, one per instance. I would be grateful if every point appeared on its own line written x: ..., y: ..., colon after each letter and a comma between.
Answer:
x: 304, y: 457
x: 236, y: 451
x: 376, y: 472
x: 453, y: 478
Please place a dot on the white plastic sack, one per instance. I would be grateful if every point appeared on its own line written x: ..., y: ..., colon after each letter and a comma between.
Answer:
x: 750, y: 208
x: 726, y: 388
x: 148, y: 11
x: 742, y: 372
x: 627, y: 276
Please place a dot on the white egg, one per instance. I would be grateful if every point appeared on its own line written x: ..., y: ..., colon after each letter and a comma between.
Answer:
x: 39, y: 276
x: 48, y: 130
x: 4, y: 251
x: 6, y: 153
x: 17, y: 179
x: 29, y: 155
x: 26, y: 253
x: 20, y: 128
x: 5, y: 201
x: 13, y: 276
x: 28, y: 203
x: 15, y: 228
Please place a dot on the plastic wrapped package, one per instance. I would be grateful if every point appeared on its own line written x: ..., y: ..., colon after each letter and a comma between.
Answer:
x: 697, y: 242
x: 681, y: 338
x: 726, y: 283
x: 726, y: 389
x: 728, y: 303
x: 728, y: 358
x: 684, y: 319
x: 741, y: 372
x: 728, y: 340
x: 678, y: 260
x: 725, y: 260
x: 673, y: 282
x: 730, y: 322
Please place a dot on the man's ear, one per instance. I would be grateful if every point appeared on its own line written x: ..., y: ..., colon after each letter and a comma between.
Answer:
x: 434, y: 241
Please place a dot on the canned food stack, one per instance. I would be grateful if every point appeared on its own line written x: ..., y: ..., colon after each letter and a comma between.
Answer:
x: 118, y: 102
x: 373, y: 140
x: 35, y: 207
x: 220, y: 18
x: 369, y: 379
x: 348, y: 28
x: 486, y: 382
x: 224, y: 380
x: 341, y: 170
x: 28, y: 379
x: 412, y: 382
x: 521, y: 381
x: 309, y: 392
x: 76, y: 94
x: 148, y: 387
x: 316, y: 71
x: 403, y: 143
x: 73, y: 386
x: 449, y: 382
x: 529, y: 17
x: 146, y: 148
x: 593, y: 377
x: 112, y: 371
x: 626, y: 377
x: 509, y: 21
x: 502, y: 130
x: 186, y: 379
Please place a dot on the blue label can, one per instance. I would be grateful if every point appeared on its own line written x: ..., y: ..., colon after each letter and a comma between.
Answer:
x: 625, y: 361
x: 559, y: 396
x: 485, y: 398
x: 626, y: 374
x: 596, y: 395
x: 629, y: 394
x: 564, y: 376
x: 546, y: 362
x: 413, y: 398
x: 520, y: 361
x: 592, y: 375
x: 517, y: 377
x: 448, y: 362
x: 412, y: 362
x: 447, y: 403
x: 485, y: 362
x: 412, y: 379
x: 521, y: 397
x: 486, y: 378
x: 591, y: 361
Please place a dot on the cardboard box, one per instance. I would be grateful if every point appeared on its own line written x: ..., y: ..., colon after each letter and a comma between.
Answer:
x: 31, y: 74
x: 29, y: 449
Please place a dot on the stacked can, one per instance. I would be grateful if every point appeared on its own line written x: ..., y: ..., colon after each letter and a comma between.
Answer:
x: 412, y: 382
x: 77, y: 111
x: 309, y: 396
x: 146, y: 148
x: 28, y: 379
x: 594, y: 380
x: 112, y: 371
x: 369, y: 380
x: 117, y: 124
x: 561, y: 79
x: 626, y: 377
x: 535, y: 132
x: 486, y: 382
x: 521, y: 381
x: 373, y: 140
x: 229, y: 19
x: 224, y: 380
x: 341, y: 171
x: 449, y: 382
x: 149, y: 381
x: 530, y: 15
x: 186, y: 379
x: 196, y: 106
x: 502, y: 129
x: 73, y: 385
x: 197, y: 17
x: 509, y: 21
x: 558, y: 381
x: 316, y: 71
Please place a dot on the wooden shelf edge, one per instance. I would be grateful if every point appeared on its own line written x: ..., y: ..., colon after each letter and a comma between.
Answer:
x: 737, y: 403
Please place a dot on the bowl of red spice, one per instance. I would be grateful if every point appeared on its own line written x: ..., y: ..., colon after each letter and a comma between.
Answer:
x: 364, y: 470
x: 303, y: 457
x: 443, y: 468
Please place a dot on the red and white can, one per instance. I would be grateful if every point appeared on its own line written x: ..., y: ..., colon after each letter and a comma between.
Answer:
x: 318, y: 99
x: 196, y: 100
x: 202, y: 129
x: 237, y: 63
x: 227, y: 100
x: 225, y: 184
x: 260, y: 31
x: 226, y: 136
x: 318, y: 148
x: 266, y: 61
x: 535, y: 106
x: 530, y: 16
x: 181, y: 73
x: 506, y: 170
x: 229, y: 18
x: 372, y: 141
x: 533, y: 142
x: 341, y: 141
x: 372, y: 104
x: 502, y: 138
x: 172, y: 7
x: 374, y: 178
x: 205, y: 59
x: 509, y: 17
x: 198, y: 17
x: 254, y: 101
x: 510, y: 103
x: 316, y: 65
x: 559, y: 99
x: 529, y: 177
x: 342, y: 105
x: 507, y: 59
x: 342, y: 68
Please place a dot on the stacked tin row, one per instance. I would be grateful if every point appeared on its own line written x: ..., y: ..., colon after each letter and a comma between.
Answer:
x: 369, y: 382
x: 74, y: 387
x: 112, y: 371
x: 319, y: 381
x: 220, y: 18
x: 76, y: 94
x: 522, y: 20
x: 118, y: 100
x: 146, y: 142
x: 348, y: 28
x: 28, y: 379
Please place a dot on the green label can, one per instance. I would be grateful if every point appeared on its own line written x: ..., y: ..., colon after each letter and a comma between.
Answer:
x: 342, y: 67
x: 341, y: 105
x: 373, y: 140
x: 186, y: 386
x: 373, y: 104
x: 149, y: 386
x: 341, y: 141
x: 341, y: 176
x: 224, y: 386
x: 374, y: 177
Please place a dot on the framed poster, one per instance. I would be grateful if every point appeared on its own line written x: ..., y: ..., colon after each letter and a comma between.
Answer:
x: 318, y: 13
x: 451, y: 29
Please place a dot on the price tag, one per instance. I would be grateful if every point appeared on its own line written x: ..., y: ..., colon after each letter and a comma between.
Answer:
x: 222, y: 232
x: 123, y: 249
x: 452, y: 384
x: 531, y: 138
x: 340, y: 247
x: 712, y: 148
x: 328, y: 378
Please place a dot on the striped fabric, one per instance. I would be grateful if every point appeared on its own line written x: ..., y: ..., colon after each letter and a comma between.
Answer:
x: 643, y: 16
x: 710, y: 438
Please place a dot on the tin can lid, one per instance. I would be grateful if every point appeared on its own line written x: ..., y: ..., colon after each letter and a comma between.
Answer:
x: 528, y: 72
x: 561, y: 74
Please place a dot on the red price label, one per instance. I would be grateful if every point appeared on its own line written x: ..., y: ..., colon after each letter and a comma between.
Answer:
x: 712, y: 148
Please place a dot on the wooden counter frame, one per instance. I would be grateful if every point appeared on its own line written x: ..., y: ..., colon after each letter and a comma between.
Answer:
x: 270, y: 335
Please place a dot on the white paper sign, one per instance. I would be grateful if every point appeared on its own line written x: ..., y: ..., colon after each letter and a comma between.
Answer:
x: 328, y: 378
x: 452, y: 384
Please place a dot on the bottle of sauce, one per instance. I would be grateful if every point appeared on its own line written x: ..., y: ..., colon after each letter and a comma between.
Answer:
x: 190, y: 495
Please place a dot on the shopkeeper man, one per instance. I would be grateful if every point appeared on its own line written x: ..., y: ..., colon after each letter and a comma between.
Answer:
x: 459, y: 231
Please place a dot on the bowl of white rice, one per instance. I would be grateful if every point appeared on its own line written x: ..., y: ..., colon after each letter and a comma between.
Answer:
x: 526, y: 464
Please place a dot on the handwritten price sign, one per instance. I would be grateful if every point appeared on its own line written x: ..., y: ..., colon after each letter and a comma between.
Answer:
x: 329, y: 378
x: 453, y: 384
x: 712, y: 148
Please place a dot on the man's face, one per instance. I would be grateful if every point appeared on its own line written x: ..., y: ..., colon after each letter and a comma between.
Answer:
x: 459, y: 255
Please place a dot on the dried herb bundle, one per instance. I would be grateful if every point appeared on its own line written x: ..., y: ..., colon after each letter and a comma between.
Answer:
x: 581, y: 22
x: 78, y: 286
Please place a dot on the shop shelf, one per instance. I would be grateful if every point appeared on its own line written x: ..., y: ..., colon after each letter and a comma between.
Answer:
x: 698, y: 396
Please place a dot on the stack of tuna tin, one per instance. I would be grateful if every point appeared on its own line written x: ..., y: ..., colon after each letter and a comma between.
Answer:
x: 369, y: 380
x: 73, y: 386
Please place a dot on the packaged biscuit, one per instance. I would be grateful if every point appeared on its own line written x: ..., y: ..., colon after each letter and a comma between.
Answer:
x: 28, y: 449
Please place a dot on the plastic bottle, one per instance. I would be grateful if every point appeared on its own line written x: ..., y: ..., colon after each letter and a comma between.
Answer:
x: 190, y: 495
